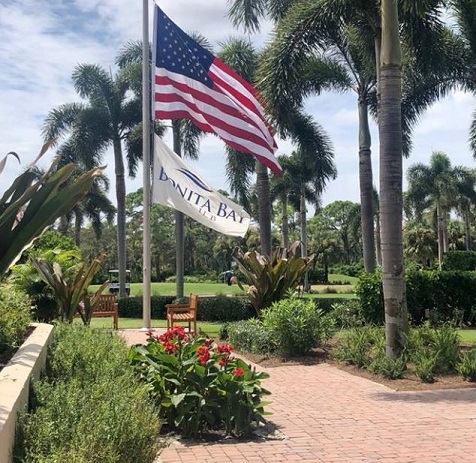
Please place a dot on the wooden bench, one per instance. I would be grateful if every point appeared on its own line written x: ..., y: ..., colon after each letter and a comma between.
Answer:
x: 183, y: 313
x: 106, y: 306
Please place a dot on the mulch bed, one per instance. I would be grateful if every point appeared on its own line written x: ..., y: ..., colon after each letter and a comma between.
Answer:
x: 410, y: 382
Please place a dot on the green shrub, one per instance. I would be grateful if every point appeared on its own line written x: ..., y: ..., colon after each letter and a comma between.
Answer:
x: 447, y: 295
x: 359, y: 346
x: 15, y: 317
x: 296, y: 326
x: 224, y: 309
x: 459, y: 260
x: 200, y: 386
x: 467, y: 365
x: 90, y: 407
x: 215, y: 308
x: 347, y: 313
x: 425, y: 367
x: 318, y: 276
x: 131, y: 307
x: 326, y: 304
x: 250, y: 336
x: 440, y: 345
x: 387, y: 367
x: 369, y: 291
x: 353, y: 270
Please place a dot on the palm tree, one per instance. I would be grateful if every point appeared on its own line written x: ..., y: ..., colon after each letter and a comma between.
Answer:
x: 241, y: 56
x: 309, y: 170
x: 391, y: 199
x: 108, y: 117
x: 94, y: 206
x: 466, y: 201
x: 281, y: 188
x: 435, y: 185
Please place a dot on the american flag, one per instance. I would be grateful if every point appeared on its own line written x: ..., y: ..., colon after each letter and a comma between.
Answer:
x: 191, y: 83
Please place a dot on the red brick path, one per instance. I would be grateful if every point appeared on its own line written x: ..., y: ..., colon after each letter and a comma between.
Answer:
x: 327, y: 415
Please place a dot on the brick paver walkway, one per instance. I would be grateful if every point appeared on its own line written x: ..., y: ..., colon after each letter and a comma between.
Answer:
x: 327, y: 415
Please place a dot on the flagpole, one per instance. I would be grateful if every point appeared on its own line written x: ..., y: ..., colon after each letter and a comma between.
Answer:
x: 146, y: 119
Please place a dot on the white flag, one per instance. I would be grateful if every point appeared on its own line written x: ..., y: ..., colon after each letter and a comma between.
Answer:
x: 177, y: 186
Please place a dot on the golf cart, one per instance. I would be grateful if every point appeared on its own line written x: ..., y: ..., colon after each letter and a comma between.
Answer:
x: 114, y: 281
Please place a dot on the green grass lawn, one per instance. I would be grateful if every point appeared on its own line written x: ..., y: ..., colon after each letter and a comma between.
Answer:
x: 169, y: 289
x: 468, y: 335
x: 210, y: 328
x: 337, y: 277
x: 332, y: 295
x: 218, y: 289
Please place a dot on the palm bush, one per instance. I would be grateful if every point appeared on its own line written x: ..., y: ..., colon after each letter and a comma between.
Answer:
x: 271, y: 278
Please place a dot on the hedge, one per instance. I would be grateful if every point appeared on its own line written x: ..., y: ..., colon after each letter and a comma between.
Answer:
x: 90, y: 407
x: 459, y: 260
x: 448, y: 295
x: 215, y: 308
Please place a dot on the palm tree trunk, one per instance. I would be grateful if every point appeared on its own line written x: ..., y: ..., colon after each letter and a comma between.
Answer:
x: 264, y: 207
x: 78, y: 220
x: 63, y: 225
x: 467, y: 231
x: 285, y: 225
x: 303, y: 224
x: 179, y: 226
x: 378, y: 241
x: 445, y: 232
x: 121, y: 215
x: 366, y: 188
x: 441, y: 238
x: 391, y: 201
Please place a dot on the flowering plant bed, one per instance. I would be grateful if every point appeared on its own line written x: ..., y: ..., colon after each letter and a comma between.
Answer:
x: 199, y: 385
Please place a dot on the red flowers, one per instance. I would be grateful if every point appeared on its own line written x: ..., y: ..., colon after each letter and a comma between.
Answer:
x: 238, y: 372
x: 174, y: 332
x: 224, y: 349
x: 203, y: 354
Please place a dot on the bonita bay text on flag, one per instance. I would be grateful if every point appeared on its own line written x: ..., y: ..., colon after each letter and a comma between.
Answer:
x: 189, y: 82
x: 177, y: 186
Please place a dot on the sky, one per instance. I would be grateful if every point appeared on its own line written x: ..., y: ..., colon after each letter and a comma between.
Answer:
x: 41, y: 41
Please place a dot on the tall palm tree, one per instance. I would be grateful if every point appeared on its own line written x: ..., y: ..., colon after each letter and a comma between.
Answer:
x: 95, y: 206
x: 281, y: 188
x: 241, y: 56
x: 391, y: 198
x: 335, y: 44
x: 466, y: 201
x: 309, y: 170
x: 435, y: 186
x: 108, y: 117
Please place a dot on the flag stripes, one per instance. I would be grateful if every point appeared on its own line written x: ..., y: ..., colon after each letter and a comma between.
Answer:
x: 189, y: 82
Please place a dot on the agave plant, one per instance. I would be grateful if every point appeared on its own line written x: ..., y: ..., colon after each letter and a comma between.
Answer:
x: 271, y: 278
x: 31, y: 204
x: 70, y: 293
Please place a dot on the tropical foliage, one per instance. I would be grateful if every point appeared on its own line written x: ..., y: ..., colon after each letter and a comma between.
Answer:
x: 70, y: 292
x: 30, y: 204
x: 200, y: 386
x: 270, y: 279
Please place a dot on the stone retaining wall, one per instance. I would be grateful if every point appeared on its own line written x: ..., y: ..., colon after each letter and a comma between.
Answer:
x: 15, y: 380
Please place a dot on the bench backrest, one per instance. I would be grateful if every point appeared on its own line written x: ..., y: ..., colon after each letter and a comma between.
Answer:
x: 193, y: 302
x: 107, y: 303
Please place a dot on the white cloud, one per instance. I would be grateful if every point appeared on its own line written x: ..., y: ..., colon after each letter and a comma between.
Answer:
x: 42, y: 40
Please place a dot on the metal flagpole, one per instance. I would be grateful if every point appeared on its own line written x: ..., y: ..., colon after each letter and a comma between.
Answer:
x: 146, y: 122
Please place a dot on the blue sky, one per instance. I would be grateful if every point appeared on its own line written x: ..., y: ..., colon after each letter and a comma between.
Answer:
x: 42, y: 40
